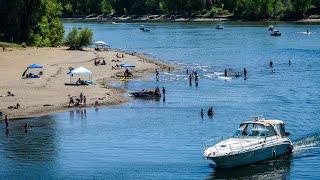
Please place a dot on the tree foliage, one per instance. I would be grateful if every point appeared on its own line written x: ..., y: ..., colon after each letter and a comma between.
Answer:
x: 35, y: 22
x: 76, y: 39
x: 248, y: 9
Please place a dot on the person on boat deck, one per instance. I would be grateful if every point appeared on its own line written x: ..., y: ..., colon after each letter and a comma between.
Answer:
x: 157, y: 90
x: 225, y: 73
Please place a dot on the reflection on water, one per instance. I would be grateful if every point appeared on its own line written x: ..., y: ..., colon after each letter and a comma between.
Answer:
x: 275, y: 169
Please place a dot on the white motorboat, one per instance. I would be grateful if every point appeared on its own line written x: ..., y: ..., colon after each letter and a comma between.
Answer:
x: 256, y: 140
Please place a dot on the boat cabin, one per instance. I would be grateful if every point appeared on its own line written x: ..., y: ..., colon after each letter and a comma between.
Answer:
x: 260, y: 127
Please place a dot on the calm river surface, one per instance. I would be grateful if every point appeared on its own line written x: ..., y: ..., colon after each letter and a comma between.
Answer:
x: 165, y: 140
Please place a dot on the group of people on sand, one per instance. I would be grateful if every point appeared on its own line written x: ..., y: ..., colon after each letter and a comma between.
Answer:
x: 119, y: 55
x: 82, y: 100
x: 209, y: 113
x: 97, y: 62
x: 81, y: 82
x: 127, y: 73
x: 31, y: 75
x: 191, y: 75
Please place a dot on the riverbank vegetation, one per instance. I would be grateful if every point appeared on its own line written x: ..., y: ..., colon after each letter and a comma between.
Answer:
x: 241, y: 9
x: 76, y: 39
x: 35, y: 22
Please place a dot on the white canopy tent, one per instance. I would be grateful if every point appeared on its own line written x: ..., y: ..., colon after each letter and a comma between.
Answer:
x: 101, y: 45
x: 80, y: 71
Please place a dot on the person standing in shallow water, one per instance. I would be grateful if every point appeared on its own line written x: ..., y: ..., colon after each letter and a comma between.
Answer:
x: 6, y: 121
x: 245, y: 72
x: 190, y: 79
x: 271, y: 64
x: 225, y: 73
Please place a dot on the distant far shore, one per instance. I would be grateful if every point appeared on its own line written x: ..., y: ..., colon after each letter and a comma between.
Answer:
x: 49, y: 94
x: 181, y: 18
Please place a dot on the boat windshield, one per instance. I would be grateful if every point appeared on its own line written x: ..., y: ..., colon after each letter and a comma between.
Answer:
x: 254, y: 130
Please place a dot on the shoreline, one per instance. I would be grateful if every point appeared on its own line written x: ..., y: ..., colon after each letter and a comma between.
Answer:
x: 180, y: 18
x: 48, y: 94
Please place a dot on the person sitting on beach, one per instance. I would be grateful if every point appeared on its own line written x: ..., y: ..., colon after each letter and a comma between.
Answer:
x: 17, y: 106
x: 79, y: 81
x: 122, y: 56
x: 10, y: 94
x: 103, y: 62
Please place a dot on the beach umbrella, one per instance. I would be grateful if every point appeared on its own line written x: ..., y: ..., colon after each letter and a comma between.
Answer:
x: 126, y: 65
x: 100, y: 43
x: 80, y: 71
x: 32, y: 66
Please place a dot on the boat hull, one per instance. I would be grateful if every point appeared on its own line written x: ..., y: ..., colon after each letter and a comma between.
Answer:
x: 253, y: 156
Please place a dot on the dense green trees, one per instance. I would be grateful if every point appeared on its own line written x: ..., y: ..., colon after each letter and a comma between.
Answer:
x: 248, y: 9
x: 35, y: 22
x: 76, y: 39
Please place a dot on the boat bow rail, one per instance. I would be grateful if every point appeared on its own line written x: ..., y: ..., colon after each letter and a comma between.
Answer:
x: 223, y: 148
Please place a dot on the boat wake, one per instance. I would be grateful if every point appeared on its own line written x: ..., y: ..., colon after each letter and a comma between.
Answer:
x: 306, y: 143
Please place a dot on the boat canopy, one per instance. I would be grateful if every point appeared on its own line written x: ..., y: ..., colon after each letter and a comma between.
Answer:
x: 261, y: 127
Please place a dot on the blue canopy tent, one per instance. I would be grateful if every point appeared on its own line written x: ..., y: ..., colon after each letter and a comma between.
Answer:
x: 126, y: 65
x: 32, y: 66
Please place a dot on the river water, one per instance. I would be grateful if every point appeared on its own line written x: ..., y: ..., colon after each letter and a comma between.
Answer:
x: 165, y: 139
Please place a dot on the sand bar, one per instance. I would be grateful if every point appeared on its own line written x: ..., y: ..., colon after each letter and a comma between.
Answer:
x: 48, y: 94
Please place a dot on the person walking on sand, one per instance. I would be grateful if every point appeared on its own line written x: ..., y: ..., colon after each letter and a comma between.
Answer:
x: 71, y: 101
x: 6, y: 121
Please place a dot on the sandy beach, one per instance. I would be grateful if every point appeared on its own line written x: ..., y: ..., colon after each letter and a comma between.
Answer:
x: 48, y: 94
